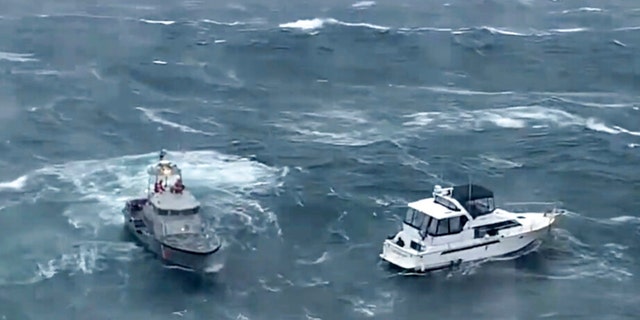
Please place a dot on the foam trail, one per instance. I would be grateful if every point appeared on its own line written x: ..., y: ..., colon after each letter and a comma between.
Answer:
x: 510, y: 118
x: 83, y: 258
x: 153, y: 116
x: 96, y: 189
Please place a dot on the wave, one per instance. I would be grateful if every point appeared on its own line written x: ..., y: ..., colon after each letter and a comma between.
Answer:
x: 565, y: 257
x: 363, y: 4
x: 235, y: 23
x: 17, y: 57
x: 86, y: 257
x: 317, y: 23
x: 337, y: 127
x: 17, y: 184
x: 583, y: 9
x: 153, y: 115
x: 162, y: 22
x: 570, y: 30
x: 511, y: 118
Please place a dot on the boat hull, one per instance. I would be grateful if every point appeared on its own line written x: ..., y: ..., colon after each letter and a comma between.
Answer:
x: 171, y: 256
x: 479, y: 249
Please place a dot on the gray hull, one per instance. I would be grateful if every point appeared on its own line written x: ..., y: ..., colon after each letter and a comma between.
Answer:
x: 199, y: 261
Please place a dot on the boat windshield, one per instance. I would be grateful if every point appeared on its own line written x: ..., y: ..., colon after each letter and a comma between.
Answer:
x: 182, y: 226
x: 184, y: 212
x: 430, y: 226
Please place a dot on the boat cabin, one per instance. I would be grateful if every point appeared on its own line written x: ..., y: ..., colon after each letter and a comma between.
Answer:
x: 174, y: 210
x: 449, y: 210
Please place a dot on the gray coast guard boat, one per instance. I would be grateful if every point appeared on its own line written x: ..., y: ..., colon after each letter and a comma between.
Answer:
x: 168, y: 222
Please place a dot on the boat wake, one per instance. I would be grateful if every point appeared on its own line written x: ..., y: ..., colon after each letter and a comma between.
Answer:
x: 92, y: 193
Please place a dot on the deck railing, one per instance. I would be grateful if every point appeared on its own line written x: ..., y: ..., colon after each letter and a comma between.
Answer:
x: 542, y: 207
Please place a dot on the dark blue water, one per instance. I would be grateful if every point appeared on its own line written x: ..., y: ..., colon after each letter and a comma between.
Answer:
x: 304, y: 128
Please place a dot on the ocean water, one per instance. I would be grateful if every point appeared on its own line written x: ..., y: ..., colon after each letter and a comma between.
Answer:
x: 305, y: 128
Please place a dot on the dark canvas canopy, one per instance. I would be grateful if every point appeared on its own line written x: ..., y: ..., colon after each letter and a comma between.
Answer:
x: 470, y: 192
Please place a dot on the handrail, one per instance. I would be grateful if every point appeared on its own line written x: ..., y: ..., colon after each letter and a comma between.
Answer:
x: 534, y: 203
x: 538, y: 206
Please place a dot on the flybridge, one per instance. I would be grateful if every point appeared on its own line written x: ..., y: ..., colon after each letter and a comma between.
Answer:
x: 475, y: 199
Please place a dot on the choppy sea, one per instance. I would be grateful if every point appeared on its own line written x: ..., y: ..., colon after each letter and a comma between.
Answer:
x: 304, y: 127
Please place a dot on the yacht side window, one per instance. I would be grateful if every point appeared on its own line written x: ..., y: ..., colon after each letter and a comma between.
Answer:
x: 443, y: 227
x: 454, y: 225
x: 433, y: 227
x: 414, y: 218
x: 418, y: 218
x: 409, y: 216
x: 425, y: 226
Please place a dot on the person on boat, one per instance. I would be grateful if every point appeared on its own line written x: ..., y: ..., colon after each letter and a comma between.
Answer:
x: 158, y: 188
x: 178, y: 186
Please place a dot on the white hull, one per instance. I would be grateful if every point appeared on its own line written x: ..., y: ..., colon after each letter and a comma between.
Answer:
x: 449, y: 254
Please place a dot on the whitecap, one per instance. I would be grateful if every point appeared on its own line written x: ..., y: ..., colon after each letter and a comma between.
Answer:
x: 153, y: 115
x: 317, y: 23
x: 505, y: 32
x: 625, y: 219
x: 363, y: 4
x: 627, y: 28
x: 230, y: 24
x: 453, y: 90
x: 583, y: 9
x: 17, y: 184
x: 510, y: 118
x: 83, y: 258
x: 163, y: 22
x: 338, y: 127
x: 304, y: 24
x: 596, y: 125
x: 17, y: 57
x: 594, y: 104
x: 570, y: 30
x: 324, y: 257
x: 160, y: 62
x: 496, y: 162
x: 619, y: 43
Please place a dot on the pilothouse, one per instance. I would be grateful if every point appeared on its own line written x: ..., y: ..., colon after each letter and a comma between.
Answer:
x: 461, y: 223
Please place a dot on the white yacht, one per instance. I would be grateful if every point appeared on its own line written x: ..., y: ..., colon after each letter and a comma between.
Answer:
x: 460, y: 224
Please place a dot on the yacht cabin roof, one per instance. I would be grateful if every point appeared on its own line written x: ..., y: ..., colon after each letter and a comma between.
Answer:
x: 429, y: 207
x: 172, y: 201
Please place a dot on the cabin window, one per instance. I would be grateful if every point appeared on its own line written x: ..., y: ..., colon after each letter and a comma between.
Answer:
x: 409, y: 216
x: 433, y: 227
x: 163, y: 212
x: 492, y: 229
x: 454, y: 225
x: 443, y: 227
x: 418, y: 218
x: 446, y: 226
x: 415, y: 218
x: 425, y: 226
x: 190, y: 211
